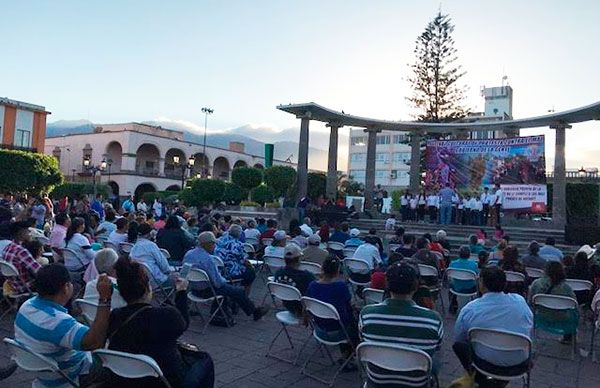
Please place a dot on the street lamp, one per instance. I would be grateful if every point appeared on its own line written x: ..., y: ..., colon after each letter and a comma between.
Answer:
x: 582, y: 172
x: 109, y: 162
x: 87, y: 164
x: 206, y: 111
x: 184, y: 167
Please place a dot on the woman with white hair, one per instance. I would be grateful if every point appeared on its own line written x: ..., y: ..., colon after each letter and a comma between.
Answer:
x: 104, y: 263
x: 231, y: 250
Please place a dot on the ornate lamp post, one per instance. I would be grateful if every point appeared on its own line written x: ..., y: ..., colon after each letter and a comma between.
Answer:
x: 206, y: 111
x: 94, y: 169
x: 184, y: 167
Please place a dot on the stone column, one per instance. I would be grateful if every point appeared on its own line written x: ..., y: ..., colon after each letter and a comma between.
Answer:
x: 161, y: 166
x: 559, y: 189
x: 332, y: 161
x: 370, y: 167
x: 415, y: 161
x: 303, y: 156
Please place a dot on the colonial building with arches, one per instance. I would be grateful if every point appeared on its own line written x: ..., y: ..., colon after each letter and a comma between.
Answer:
x: 142, y: 157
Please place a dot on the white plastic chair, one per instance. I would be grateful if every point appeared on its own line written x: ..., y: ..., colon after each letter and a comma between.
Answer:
x: 358, y: 267
x: 395, y: 358
x: 157, y: 287
x: 286, y: 293
x: 372, y: 296
x: 72, y: 260
x: 579, y: 285
x: 130, y: 366
x: 313, y: 268
x: 111, y: 245
x: 502, y: 341
x: 43, y: 239
x: 266, y: 242
x: 34, y: 362
x: 349, y: 252
x: 431, y: 272
x: 534, y: 273
x: 273, y: 263
x: 88, y: 309
x: 557, y: 303
x: 196, y: 275
x: 515, y: 277
x: 323, y: 310
x: 253, y: 242
x: 461, y: 274
x: 335, y: 246
x: 125, y: 247
x: 8, y: 270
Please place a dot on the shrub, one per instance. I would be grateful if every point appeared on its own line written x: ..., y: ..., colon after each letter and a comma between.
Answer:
x: 233, y: 194
x: 280, y: 179
x: 273, y: 205
x: 396, y: 194
x: 249, y: 203
x: 263, y: 194
x: 28, y: 172
x: 201, y: 192
x: 150, y: 196
x: 247, y: 177
x: 317, y: 184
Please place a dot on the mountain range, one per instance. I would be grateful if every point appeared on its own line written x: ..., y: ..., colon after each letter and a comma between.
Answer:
x: 283, y: 148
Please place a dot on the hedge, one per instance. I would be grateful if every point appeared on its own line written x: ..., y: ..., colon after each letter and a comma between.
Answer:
x: 262, y: 194
x: 583, y: 203
x: 280, y: 179
x: 76, y: 190
x: 150, y: 196
x: 28, y: 172
x: 200, y: 192
x: 247, y: 177
x: 396, y: 194
x: 234, y: 194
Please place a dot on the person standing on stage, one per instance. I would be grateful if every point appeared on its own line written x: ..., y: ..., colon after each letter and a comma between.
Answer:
x: 498, y: 202
x: 485, y: 202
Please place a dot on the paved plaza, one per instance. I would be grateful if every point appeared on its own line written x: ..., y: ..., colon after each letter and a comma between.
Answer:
x: 240, y: 362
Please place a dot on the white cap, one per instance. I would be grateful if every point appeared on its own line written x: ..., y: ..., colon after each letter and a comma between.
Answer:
x: 354, y: 232
x: 292, y: 251
x: 589, y: 251
x: 306, y: 230
x: 441, y: 234
x: 279, y: 235
x: 314, y: 239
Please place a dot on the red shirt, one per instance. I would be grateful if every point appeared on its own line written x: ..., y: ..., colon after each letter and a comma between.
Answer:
x: 267, y: 233
x: 378, y: 280
x: 25, y: 265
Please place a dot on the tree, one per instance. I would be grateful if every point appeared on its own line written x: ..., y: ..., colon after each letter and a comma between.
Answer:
x: 317, y: 184
x: 437, y: 94
x: 28, y: 172
x: 76, y: 190
x: 247, y: 177
x: 280, y: 179
x: 200, y: 192
x: 233, y: 194
x: 263, y: 194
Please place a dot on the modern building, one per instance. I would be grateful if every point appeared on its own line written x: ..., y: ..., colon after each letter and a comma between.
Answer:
x: 22, y: 125
x: 393, y: 150
x: 141, y: 158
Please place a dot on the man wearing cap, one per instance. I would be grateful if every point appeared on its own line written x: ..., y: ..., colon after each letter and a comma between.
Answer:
x: 533, y: 258
x: 354, y: 241
x: 313, y: 252
x: 293, y: 276
x: 202, y: 257
x: 20, y: 257
x: 276, y: 248
x: 148, y: 253
x: 399, y: 320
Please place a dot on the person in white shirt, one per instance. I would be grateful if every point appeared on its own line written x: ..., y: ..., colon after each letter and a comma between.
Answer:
x: 142, y: 206
x: 157, y: 208
x: 485, y: 201
x: 276, y: 249
x: 120, y: 234
x: 498, y: 202
x: 149, y: 254
x: 432, y: 205
x: 368, y: 252
x: 390, y: 223
x: 80, y: 245
x: 421, y: 205
x: 413, y: 208
x: 473, y: 207
x: 106, y: 227
x: 404, y: 201
x: 466, y: 210
x: 479, y: 211
x: 251, y: 233
x: 104, y: 261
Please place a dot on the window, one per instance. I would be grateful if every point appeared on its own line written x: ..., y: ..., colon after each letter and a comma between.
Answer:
x: 403, y: 157
x: 357, y: 174
x: 149, y: 164
x: 382, y: 157
x: 360, y: 157
x: 23, y: 128
x: 400, y: 139
x: 358, y: 141
x: 383, y: 139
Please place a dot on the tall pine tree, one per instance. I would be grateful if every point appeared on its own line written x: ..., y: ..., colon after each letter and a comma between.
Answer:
x: 437, y: 94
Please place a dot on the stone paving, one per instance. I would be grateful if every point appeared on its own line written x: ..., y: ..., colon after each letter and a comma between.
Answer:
x: 239, y: 355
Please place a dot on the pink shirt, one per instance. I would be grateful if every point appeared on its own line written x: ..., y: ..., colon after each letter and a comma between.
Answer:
x: 57, y: 236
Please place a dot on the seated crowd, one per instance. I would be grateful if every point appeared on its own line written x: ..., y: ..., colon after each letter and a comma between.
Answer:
x: 130, y: 264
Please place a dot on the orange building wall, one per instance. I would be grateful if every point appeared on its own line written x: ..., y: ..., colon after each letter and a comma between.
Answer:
x: 10, y: 117
x: 39, y: 131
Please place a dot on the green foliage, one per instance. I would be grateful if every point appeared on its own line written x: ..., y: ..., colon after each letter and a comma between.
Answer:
x: 350, y: 187
x: 396, y: 194
x: 150, y: 196
x: 76, y: 190
x: 280, y: 179
x: 246, y: 177
x: 317, y: 184
x: 583, y: 203
x: 202, y: 192
x: 233, y: 194
x: 273, y: 205
x: 437, y: 96
x: 263, y: 194
x: 249, y: 203
x: 28, y: 172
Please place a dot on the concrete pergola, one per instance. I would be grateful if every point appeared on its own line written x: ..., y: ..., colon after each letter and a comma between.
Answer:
x: 559, y: 121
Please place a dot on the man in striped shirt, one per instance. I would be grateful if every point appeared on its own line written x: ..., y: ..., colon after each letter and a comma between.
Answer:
x: 44, y: 326
x: 398, y: 320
